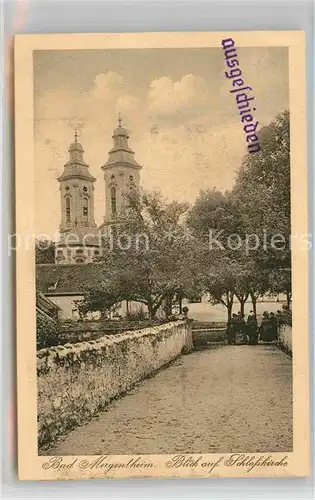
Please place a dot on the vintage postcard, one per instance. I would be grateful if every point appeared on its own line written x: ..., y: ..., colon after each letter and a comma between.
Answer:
x: 161, y: 248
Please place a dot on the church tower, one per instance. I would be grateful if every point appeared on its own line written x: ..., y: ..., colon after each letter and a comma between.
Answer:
x: 121, y: 174
x: 78, y: 232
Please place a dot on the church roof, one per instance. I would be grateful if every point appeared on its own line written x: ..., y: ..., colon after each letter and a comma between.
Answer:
x: 76, y: 167
x: 54, y: 279
x: 120, y: 131
x: 76, y: 170
x: 121, y: 156
x: 121, y: 153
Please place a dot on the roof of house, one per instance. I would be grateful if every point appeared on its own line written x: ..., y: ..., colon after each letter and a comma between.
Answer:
x: 66, y: 279
x: 44, y: 303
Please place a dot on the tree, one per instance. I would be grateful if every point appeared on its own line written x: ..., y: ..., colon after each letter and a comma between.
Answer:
x: 262, y: 192
x: 46, y: 331
x: 147, y: 259
x: 44, y: 251
x: 216, y: 214
x: 220, y: 283
x: 280, y: 282
x: 242, y: 287
x: 262, y: 186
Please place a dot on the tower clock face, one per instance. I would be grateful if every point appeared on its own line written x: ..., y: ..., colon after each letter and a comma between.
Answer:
x: 85, y: 189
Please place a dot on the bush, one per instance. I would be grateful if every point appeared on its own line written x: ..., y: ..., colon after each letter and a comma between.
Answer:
x: 46, y: 332
x: 286, y: 316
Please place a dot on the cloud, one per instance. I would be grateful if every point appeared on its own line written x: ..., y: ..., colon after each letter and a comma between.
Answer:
x: 106, y: 85
x: 94, y: 110
x: 166, y: 96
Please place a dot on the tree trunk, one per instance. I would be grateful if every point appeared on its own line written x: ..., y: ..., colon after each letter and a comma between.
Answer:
x: 288, y: 295
x: 242, y: 298
x: 168, y: 305
x: 151, y: 309
x: 152, y: 312
x: 127, y: 308
x: 254, y: 303
x: 180, y: 303
x: 229, y: 303
x: 229, y: 308
x: 242, y: 304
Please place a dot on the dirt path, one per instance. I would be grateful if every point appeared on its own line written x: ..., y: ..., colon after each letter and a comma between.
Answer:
x: 225, y: 399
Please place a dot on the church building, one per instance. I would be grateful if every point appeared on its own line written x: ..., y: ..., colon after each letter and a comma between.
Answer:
x: 121, y: 174
x: 80, y: 244
x: 80, y: 238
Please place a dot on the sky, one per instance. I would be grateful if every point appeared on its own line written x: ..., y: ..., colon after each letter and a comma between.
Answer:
x: 183, y: 121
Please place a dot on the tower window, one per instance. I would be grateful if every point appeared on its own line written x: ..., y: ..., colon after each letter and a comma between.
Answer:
x: 113, y: 200
x: 68, y: 210
x: 85, y: 207
x: 67, y: 188
x: 112, y: 177
x: 114, y: 231
x: 131, y: 178
x: 85, y: 189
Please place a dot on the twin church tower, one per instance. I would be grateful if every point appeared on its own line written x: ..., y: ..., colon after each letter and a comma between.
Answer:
x: 80, y: 238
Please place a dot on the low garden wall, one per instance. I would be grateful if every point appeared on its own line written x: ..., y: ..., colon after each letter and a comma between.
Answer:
x: 285, y: 339
x: 205, y: 333
x: 75, y: 381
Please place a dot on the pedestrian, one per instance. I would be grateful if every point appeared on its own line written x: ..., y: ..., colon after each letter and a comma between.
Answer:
x: 236, y: 319
x: 266, y: 327
x: 229, y: 331
x: 279, y: 317
x: 252, y: 328
x: 236, y: 326
x: 242, y: 330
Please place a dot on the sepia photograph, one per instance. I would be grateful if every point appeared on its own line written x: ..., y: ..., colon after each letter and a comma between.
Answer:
x: 163, y: 250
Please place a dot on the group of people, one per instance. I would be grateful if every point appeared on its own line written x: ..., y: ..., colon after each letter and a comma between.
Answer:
x: 249, y: 331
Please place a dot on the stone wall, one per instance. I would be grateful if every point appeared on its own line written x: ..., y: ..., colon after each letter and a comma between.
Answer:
x: 205, y: 333
x: 285, y: 339
x: 75, y: 381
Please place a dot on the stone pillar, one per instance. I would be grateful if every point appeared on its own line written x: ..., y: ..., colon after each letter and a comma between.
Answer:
x: 189, y: 339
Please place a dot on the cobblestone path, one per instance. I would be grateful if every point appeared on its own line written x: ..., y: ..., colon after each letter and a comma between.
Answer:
x: 219, y: 400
